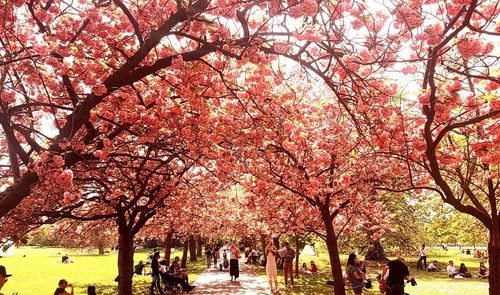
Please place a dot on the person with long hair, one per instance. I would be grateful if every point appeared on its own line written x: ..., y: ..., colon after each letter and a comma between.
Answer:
x: 271, y: 270
x: 354, y: 274
x: 234, y: 264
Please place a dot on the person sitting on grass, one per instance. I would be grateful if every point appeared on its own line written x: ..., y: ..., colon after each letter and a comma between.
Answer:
x: 433, y: 267
x: 61, y: 290
x: 65, y: 259
x: 304, y: 269
x: 314, y: 268
x: 451, y: 269
x: 482, y: 272
x: 139, y: 268
x: 463, y: 271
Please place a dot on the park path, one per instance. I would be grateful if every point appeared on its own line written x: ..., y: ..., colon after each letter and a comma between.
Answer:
x: 214, y: 281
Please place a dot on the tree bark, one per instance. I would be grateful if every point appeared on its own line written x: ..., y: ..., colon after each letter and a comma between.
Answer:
x: 494, y: 263
x: 192, y: 248
x: 199, y: 251
x: 125, y: 262
x: 276, y: 241
x: 333, y: 254
x: 263, y: 241
x: 297, y: 253
x: 375, y: 251
x: 185, y: 254
x: 101, y: 249
x: 167, y: 245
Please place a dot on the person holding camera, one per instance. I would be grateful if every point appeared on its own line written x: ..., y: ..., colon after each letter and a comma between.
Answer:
x: 61, y: 290
x: 398, y: 272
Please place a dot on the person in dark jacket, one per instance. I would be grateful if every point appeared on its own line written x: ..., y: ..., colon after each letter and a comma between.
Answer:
x: 398, y: 272
x: 155, y: 274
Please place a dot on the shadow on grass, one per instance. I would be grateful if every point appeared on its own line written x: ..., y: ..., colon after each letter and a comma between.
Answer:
x: 139, y: 288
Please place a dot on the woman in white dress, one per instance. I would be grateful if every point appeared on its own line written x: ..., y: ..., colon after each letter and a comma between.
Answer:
x: 271, y: 271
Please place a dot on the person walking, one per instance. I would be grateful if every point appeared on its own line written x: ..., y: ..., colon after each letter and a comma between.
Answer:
x: 423, y: 258
x: 288, y: 255
x: 155, y: 274
x: 271, y: 271
x: 234, y: 264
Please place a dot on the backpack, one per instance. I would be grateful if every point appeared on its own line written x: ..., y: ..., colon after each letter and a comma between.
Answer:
x: 226, y: 263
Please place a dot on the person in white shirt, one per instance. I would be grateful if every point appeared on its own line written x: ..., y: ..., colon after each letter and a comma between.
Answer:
x: 433, y: 266
x: 423, y: 258
x: 452, y: 270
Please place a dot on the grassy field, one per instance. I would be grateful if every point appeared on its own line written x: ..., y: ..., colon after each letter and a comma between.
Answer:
x: 38, y: 272
x: 427, y: 283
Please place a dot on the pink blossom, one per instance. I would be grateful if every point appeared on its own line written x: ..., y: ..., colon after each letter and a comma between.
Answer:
x: 454, y: 86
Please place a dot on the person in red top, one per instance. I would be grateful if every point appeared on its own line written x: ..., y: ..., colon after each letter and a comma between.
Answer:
x: 314, y: 268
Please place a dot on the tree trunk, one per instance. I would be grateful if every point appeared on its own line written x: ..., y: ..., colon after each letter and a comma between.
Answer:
x: 263, y: 241
x: 199, y: 242
x: 167, y: 245
x: 185, y: 254
x: 333, y: 254
x: 192, y: 248
x: 125, y: 262
x: 101, y: 249
x: 276, y: 242
x: 297, y: 253
x: 375, y: 251
x: 494, y: 263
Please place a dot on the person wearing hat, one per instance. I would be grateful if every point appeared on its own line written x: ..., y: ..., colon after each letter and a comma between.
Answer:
x: 3, y: 276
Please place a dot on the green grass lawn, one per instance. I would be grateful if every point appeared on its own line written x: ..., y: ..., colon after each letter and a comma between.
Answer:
x: 39, y: 271
x: 428, y: 283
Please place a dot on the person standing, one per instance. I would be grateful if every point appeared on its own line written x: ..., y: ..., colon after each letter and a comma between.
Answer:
x: 155, y: 274
x: 271, y: 271
x: 288, y: 255
x: 423, y: 258
x: 3, y: 276
x: 234, y: 264
x: 398, y: 272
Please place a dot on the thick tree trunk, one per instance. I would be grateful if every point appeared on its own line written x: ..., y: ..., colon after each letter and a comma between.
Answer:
x: 297, y: 253
x: 494, y: 263
x: 185, y: 254
x: 276, y: 241
x: 375, y: 251
x: 192, y: 248
x: 167, y: 245
x: 199, y: 243
x: 333, y: 254
x: 263, y: 241
x: 101, y: 249
x: 125, y: 262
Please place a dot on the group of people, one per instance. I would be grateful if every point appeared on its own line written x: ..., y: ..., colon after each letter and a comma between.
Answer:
x: 453, y: 272
x: 168, y: 277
